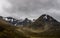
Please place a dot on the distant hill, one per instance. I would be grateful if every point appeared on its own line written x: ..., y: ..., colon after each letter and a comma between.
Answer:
x: 17, y: 22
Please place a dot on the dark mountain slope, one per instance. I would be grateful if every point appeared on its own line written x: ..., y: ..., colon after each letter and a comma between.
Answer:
x: 45, y: 22
x: 47, y: 26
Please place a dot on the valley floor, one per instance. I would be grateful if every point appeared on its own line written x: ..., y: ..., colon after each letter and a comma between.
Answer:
x: 36, y: 33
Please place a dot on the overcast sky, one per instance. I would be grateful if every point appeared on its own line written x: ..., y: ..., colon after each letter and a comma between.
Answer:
x: 31, y: 9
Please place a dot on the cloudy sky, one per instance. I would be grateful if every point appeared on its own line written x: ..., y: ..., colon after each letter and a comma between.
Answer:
x: 31, y: 9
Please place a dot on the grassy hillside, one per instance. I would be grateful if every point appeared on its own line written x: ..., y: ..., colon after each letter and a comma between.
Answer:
x: 9, y: 31
x: 31, y: 33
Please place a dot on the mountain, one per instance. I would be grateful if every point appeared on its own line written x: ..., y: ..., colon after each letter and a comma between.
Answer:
x: 48, y: 25
x: 9, y: 31
x: 11, y: 20
x: 44, y: 27
x: 17, y: 22
x: 45, y: 22
x: 27, y: 21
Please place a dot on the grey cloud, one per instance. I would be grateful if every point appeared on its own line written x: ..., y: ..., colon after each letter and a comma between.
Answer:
x: 32, y: 8
x: 32, y: 5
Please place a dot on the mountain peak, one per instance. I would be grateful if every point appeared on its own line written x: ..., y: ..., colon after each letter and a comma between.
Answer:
x: 46, y: 17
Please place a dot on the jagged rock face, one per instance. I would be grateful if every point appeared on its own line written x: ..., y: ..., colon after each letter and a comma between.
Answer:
x: 27, y: 21
x: 45, y: 22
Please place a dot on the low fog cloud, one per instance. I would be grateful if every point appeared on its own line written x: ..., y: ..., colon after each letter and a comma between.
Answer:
x: 30, y: 8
